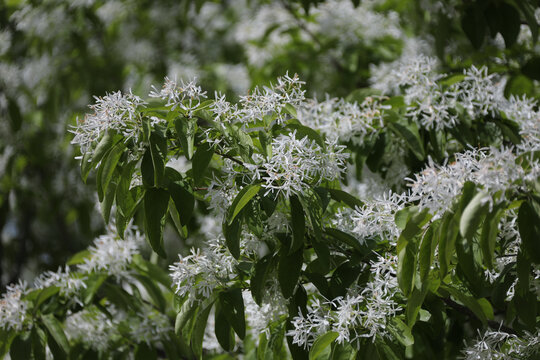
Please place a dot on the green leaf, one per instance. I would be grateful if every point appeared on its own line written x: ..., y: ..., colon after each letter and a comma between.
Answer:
x: 79, y: 257
x: 197, y: 335
x: 488, y: 237
x: 509, y: 23
x: 181, y: 325
x: 474, y: 25
x: 186, y: 129
x: 153, y: 291
x: 200, y: 161
x: 321, y: 344
x: 400, y: 331
x: 158, y: 152
x: 109, y: 165
x: 473, y: 215
x: 346, y: 239
x: 414, y: 303
x: 45, y: 294
x: 529, y: 229
x: 259, y: 277
x: 21, y: 347
x: 345, y: 197
x: 232, y: 232
x: 38, y: 339
x: 105, y: 144
x: 184, y: 200
x: 108, y: 201
x: 233, y: 307
x: 448, y: 233
x: 156, y: 202
x: 241, y: 200
x: 223, y: 330
x: 480, y: 310
x: 147, y: 169
x: 55, y: 329
x: 298, y: 224
x: 411, y: 137
x: 289, y: 268
x: 427, y: 251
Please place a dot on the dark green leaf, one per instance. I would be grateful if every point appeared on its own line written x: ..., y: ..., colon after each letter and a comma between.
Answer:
x: 411, y: 137
x: 289, y: 267
x: 474, y: 25
x: 21, y: 347
x: 298, y: 224
x: 55, y: 330
x: 345, y: 197
x: 186, y: 129
x: 232, y: 236
x: 400, y: 331
x: 241, y: 200
x: 259, y: 277
x: 197, y: 335
x: 233, y: 307
x: 529, y: 229
x: 223, y: 330
x: 473, y: 215
x: 200, y: 162
x: 156, y: 202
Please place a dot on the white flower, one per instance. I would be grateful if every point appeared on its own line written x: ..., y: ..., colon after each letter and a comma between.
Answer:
x: 69, y: 283
x: 13, y: 308
x: 112, y: 255
x: 338, y: 118
x: 92, y: 327
x: 115, y: 111
x: 186, y: 96
x: 374, y: 218
x: 199, y: 273
x: 298, y: 163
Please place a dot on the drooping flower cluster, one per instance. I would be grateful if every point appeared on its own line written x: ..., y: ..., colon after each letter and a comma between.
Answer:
x: 363, y: 312
x: 297, y: 164
x: 496, y: 170
x: 112, y: 255
x: 499, y: 345
x: 339, y: 118
x: 69, y: 283
x: 199, y: 273
x: 13, y: 307
x: 186, y: 95
x: 374, y: 218
x: 92, y: 327
x: 115, y: 111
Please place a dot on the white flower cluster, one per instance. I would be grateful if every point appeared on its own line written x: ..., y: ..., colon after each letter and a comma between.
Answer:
x: 339, y: 118
x: 272, y: 309
x: 70, y: 284
x: 499, y: 345
x: 13, y: 307
x: 199, y: 273
x: 115, y: 111
x: 495, y: 169
x: 364, y: 312
x: 186, y: 96
x: 149, y: 326
x: 91, y: 327
x: 298, y: 163
x: 261, y: 102
x: 374, y: 218
x: 112, y: 255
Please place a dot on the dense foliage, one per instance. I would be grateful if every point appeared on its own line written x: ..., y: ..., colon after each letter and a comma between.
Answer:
x: 397, y: 217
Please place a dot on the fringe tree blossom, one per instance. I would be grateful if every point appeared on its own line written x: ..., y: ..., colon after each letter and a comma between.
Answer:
x: 296, y: 164
x: 115, y: 111
x: 374, y: 218
x: 112, y: 255
x: 186, y: 96
x: 272, y: 100
x: 13, y: 308
x: 272, y: 309
x: 69, y: 283
x: 494, y: 169
x: 92, y: 327
x: 339, y: 118
x: 363, y: 312
x: 199, y: 273
x: 499, y: 345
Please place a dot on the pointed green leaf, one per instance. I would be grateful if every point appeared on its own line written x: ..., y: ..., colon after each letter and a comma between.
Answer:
x: 241, y: 200
x: 321, y: 344
x: 200, y: 161
x: 298, y: 224
x: 156, y: 202
x: 473, y: 214
x: 233, y: 307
